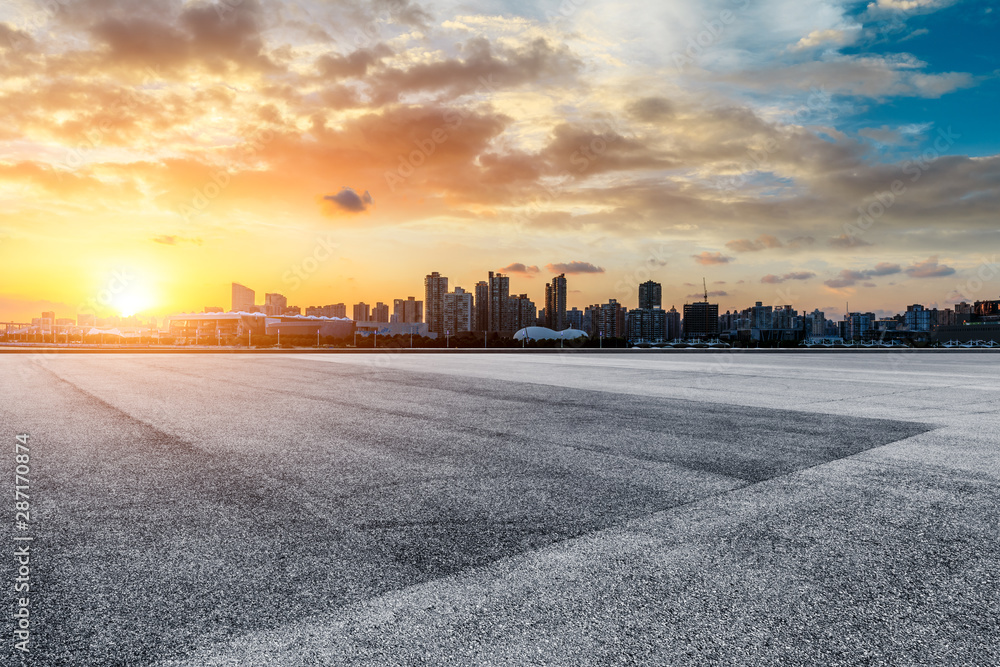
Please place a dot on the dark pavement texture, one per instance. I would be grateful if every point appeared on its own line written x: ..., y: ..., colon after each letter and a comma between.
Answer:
x: 184, y: 503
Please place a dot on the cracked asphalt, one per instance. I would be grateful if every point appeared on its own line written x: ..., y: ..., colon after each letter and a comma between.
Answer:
x: 510, y: 509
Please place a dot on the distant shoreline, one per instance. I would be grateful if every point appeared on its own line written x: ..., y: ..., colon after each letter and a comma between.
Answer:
x: 110, y: 349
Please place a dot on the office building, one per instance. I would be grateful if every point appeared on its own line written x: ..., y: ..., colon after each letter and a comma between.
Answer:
x: 274, y: 304
x: 243, y: 299
x: 435, y: 287
x: 701, y: 320
x: 918, y: 318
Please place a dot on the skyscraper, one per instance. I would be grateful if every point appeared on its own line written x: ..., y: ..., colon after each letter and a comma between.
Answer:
x: 499, y: 293
x: 435, y: 287
x: 650, y: 294
x: 482, y: 306
x: 555, y: 303
x: 243, y: 299
x: 673, y: 324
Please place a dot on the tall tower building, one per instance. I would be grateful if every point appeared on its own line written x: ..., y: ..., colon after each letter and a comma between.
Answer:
x: 435, y: 287
x: 673, y: 324
x: 650, y: 295
x: 555, y: 303
x: 482, y: 306
x: 499, y: 294
x: 243, y: 299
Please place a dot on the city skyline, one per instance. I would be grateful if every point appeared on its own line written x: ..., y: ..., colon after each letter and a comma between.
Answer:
x: 830, y: 151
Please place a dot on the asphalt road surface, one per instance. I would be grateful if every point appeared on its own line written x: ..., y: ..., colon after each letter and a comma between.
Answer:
x: 725, y: 508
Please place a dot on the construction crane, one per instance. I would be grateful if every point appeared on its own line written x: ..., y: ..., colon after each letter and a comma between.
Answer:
x: 705, y: 285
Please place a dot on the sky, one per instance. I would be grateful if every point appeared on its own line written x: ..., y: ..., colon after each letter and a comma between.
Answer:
x: 806, y: 152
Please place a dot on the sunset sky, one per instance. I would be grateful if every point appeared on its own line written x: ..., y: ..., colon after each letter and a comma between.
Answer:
x: 340, y: 151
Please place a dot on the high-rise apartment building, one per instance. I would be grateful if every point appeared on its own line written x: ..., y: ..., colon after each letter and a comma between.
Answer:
x: 362, y: 312
x: 608, y: 319
x: 650, y: 294
x: 673, y: 324
x: 521, y: 312
x: 647, y: 325
x: 482, y: 306
x: 459, y: 309
x: 555, y: 303
x: 435, y: 287
x: 380, y: 312
x: 499, y: 294
x: 243, y: 299
x: 408, y: 310
x: 574, y: 319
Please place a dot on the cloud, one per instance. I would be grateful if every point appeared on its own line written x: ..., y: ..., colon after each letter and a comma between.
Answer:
x: 795, y: 275
x: 763, y: 242
x: 701, y: 295
x: 574, y: 267
x: 845, y: 241
x: 651, y: 109
x: 907, y: 5
x: 849, y: 278
x: 709, y: 258
x: 801, y: 242
x: 929, y: 268
x: 349, y: 201
x: 518, y: 267
x: 174, y: 240
x: 827, y: 37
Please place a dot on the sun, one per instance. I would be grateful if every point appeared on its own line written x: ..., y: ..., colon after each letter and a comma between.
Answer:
x: 133, y: 301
